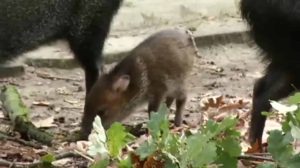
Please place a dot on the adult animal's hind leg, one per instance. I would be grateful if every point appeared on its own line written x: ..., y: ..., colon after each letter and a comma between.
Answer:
x: 276, y: 84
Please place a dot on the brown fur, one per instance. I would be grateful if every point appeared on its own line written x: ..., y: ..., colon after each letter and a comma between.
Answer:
x: 154, y: 71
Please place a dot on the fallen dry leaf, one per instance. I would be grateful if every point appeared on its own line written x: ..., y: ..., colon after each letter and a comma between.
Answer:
x: 245, y: 146
x: 81, y: 146
x: 222, y: 108
x: 222, y: 105
x: 255, y: 148
x: 220, y: 117
x: 244, y: 114
x: 211, y: 102
x: 136, y: 162
x: 235, y: 105
x: 153, y: 161
x: 13, y: 151
x: 46, y: 123
x: 1, y: 115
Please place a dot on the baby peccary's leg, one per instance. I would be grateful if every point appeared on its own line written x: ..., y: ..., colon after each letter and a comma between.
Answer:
x: 169, y: 101
x: 154, y: 103
x: 180, y: 104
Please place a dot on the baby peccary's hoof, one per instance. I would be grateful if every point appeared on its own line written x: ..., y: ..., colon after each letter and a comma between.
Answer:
x: 178, y: 121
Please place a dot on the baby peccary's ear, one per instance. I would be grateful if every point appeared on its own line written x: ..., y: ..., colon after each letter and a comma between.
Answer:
x: 121, y: 83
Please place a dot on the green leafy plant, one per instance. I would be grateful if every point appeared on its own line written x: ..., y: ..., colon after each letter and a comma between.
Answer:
x: 107, y: 146
x: 214, y: 144
x: 280, y: 142
x: 47, y: 160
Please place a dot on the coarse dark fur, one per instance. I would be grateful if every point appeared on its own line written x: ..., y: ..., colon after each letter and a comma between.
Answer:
x: 27, y: 24
x: 275, y: 27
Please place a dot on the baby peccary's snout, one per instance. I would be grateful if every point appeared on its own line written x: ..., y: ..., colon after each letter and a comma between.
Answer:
x: 155, y: 71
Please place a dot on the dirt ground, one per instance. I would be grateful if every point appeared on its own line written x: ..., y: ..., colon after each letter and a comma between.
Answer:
x: 58, y: 94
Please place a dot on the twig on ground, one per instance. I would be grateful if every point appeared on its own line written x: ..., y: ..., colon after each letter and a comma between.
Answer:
x: 71, y: 108
x: 253, y: 157
x: 35, y: 164
x: 48, y: 76
x: 83, y: 155
x: 23, y: 142
x: 66, y: 155
x: 5, y: 163
x: 261, y: 154
x: 9, y: 81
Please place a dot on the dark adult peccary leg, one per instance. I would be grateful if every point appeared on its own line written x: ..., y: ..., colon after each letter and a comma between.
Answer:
x: 275, y: 28
x: 274, y: 85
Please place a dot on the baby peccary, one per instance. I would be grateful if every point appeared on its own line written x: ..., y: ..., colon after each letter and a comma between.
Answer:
x: 154, y: 71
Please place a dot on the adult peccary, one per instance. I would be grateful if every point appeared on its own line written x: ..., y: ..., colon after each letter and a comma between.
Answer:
x: 154, y: 71
x: 84, y: 24
x: 275, y: 27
